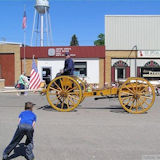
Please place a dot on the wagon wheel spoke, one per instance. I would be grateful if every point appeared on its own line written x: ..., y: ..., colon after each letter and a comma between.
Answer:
x: 129, y: 89
x: 136, y: 87
x: 124, y: 98
x: 132, y: 87
x: 67, y: 102
x: 71, y: 100
x: 57, y: 103
x: 143, y: 94
x: 51, y: 93
x: 137, y: 105
x: 62, y: 85
x: 127, y: 102
x: 141, y: 105
x: 72, y: 89
x: 54, y: 89
x: 62, y: 104
x: 74, y: 97
x: 145, y: 87
x: 55, y: 98
x: 145, y: 102
x: 132, y: 105
x: 147, y: 97
x: 139, y: 89
x: 57, y: 86
x: 127, y: 93
x: 66, y: 87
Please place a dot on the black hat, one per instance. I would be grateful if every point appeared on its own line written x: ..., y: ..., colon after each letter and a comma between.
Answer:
x: 67, y: 53
x: 29, y: 105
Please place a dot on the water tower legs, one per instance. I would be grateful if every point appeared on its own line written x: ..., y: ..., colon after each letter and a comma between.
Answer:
x: 41, y: 30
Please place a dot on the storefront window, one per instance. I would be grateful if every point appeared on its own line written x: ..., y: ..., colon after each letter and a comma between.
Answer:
x: 151, y: 71
x: 80, y: 69
x: 46, y: 74
x: 120, y: 73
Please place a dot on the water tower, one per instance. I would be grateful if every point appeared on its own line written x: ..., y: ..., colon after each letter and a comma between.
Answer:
x: 41, y: 31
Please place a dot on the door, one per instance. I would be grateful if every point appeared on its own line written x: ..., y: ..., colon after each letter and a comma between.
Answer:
x: 7, y: 68
x: 120, y: 73
x: 46, y: 74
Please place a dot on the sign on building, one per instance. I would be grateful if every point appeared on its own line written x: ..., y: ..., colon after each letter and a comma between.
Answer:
x: 148, y: 54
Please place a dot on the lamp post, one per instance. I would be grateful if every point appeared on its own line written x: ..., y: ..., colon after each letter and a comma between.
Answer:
x: 135, y: 60
x: 134, y: 48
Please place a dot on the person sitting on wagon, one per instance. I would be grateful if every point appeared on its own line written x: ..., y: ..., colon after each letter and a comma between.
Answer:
x: 67, y: 70
x: 68, y: 65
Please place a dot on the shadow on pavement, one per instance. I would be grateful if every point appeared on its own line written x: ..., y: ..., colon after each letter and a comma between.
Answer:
x: 112, y: 108
x: 18, y: 151
x: 46, y: 108
x: 115, y: 109
x: 49, y: 108
x: 120, y: 110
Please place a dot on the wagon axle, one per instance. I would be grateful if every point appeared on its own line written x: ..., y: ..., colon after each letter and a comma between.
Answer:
x: 63, y: 94
x: 136, y: 96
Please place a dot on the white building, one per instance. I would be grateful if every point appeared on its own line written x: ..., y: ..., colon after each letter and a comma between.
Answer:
x: 88, y: 61
x: 132, y: 44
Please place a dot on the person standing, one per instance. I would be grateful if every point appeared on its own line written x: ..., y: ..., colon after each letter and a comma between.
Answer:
x: 68, y: 65
x: 23, y: 82
x: 27, y: 120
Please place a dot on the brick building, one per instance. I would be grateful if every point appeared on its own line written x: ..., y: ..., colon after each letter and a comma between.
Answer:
x: 10, y: 63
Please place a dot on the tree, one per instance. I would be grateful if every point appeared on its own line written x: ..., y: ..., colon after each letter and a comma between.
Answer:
x: 74, y: 41
x: 100, y: 41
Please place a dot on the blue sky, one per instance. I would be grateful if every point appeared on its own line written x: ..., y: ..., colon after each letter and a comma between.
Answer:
x: 85, y: 18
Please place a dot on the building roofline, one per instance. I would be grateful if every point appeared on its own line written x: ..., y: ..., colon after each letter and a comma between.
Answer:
x: 14, y: 43
x: 132, y: 15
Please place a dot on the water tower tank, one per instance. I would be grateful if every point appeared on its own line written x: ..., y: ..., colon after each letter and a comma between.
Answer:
x: 42, y: 6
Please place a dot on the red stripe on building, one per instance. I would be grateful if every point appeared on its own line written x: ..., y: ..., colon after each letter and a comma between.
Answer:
x: 78, y: 51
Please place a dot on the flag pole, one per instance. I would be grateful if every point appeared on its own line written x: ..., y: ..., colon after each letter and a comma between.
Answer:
x: 24, y: 42
x: 24, y: 52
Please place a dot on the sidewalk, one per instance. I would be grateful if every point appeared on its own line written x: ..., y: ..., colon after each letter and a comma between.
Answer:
x: 15, y: 90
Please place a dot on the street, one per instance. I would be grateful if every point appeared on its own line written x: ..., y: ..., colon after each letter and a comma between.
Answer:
x: 96, y: 130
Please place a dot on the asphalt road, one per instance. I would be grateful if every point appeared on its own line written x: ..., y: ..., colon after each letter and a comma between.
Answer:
x: 96, y: 130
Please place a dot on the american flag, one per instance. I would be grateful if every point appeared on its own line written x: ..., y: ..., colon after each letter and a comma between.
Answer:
x: 24, y: 20
x: 35, y: 80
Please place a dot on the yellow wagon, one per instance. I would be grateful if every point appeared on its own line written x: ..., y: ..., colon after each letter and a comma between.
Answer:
x: 65, y: 93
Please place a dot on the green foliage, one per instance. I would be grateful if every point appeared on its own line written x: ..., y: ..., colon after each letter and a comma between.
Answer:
x: 74, y: 41
x: 100, y: 41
